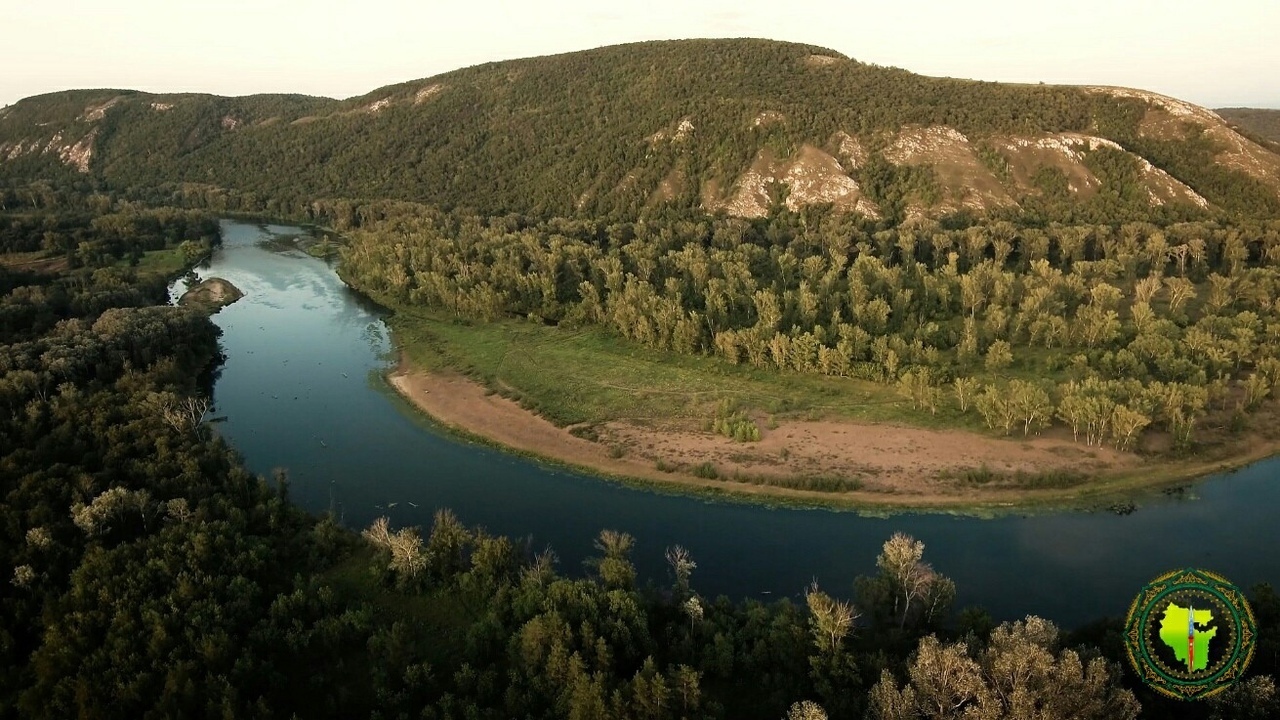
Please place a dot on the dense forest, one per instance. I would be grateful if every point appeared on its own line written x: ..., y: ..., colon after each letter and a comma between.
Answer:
x: 1138, y: 336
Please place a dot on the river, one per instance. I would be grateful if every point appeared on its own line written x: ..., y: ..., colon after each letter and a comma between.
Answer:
x: 302, y: 389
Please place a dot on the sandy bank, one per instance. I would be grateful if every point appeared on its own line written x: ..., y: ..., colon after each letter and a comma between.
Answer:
x: 900, y: 466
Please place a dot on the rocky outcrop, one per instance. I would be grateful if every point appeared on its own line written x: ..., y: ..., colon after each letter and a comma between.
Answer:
x: 812, y: 177
x: 212, y: 294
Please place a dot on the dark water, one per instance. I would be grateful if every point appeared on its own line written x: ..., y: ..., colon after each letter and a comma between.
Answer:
x: 302, y: 389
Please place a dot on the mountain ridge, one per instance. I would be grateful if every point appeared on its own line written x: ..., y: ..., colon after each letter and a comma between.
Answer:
x: 744, y: 127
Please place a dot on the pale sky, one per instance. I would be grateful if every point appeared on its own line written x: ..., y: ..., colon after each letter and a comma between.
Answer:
x: 1217, y: 53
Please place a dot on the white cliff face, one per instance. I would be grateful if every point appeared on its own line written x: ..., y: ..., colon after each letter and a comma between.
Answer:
x: 76, y: 154
x: 851, y: 150
x: 964, y: 180
x: 925, y: 143
x: 683, y: 131
x: 767, y: 118
x: 1167, y: 120
x: 79, y: 154
x: 427, y: 93
x: 377, y: 106
x: 1067, y: 151
x: 94, y: 113
x: 811, y: 177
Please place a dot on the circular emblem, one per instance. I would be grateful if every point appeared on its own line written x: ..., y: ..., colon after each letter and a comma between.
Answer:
x: 1190, y: 634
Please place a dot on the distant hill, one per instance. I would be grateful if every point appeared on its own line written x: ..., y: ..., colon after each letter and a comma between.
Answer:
x: 738, y: 126
x: 1262, y: 124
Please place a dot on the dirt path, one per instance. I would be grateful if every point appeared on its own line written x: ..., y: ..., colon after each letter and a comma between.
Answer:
x: 892, y: 465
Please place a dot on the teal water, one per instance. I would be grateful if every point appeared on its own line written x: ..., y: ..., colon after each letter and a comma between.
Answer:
x: 302, y: 389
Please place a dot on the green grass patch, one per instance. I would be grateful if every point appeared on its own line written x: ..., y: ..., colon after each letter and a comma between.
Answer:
x: 599, y: 377
x: 159, y: 262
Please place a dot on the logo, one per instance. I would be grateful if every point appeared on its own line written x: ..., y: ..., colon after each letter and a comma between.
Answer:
x: 1190, y: 634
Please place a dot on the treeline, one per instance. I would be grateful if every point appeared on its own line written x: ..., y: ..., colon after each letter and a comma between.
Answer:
x: 88, y: 238
x: 1106, y: 329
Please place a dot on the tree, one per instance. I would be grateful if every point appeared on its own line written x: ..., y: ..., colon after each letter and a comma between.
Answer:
x: 1253, y: 698
x: 830, y: 620
x: 1020, y: 674
x: 919, y: 593
x: 965, y: 388
x: 1031, y: 403
x: 404, y: 546
x: 615, y: 568
x: 682, y: 566
x: 999, y: 356
x: 1256, y: 388
x: 105, y: 510
x: 997, y: 409
x: 1181, y: 291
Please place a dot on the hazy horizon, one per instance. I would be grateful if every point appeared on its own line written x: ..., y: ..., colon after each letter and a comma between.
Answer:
x: 1221, y: 56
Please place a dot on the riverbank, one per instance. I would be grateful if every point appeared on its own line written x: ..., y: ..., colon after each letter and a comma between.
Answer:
x: 643, y: 419
x: 797, y: 460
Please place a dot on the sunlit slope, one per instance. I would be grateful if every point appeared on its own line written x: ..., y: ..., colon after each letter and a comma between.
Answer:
x: 739, y: 126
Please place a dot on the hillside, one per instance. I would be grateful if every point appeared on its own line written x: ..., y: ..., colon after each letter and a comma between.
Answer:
x: 1262, y: 124
x: 739, y: 126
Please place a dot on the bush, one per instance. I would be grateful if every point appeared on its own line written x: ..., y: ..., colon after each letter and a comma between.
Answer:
x: 707, y: 471
x: 734, y: 423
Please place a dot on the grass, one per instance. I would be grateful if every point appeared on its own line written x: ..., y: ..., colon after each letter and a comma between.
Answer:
x: 169, y: 263
x: 813, y: 483
x: 1020, y: 480
x: 598, y: 377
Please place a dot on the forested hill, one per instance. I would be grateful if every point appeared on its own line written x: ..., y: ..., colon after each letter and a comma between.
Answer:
x: 1264, y: 125
x: 739, y: 126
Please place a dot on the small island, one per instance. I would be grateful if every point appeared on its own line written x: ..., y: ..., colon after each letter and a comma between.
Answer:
x: 212, y: 293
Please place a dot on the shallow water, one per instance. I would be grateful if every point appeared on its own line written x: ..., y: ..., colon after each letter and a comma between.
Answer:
x: 302, y: 389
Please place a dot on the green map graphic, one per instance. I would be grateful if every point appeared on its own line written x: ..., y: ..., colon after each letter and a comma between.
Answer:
x: 1174, y: 629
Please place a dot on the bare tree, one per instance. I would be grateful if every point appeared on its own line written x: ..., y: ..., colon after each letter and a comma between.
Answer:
x: 407, y: 558
x: 542, y: 568
x: 831, y: 620
x: 682, y: 565
x: 915, y: 584
x: 184, y: 414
